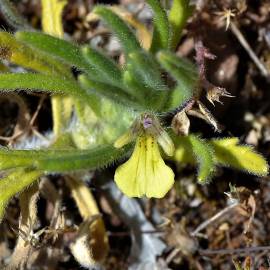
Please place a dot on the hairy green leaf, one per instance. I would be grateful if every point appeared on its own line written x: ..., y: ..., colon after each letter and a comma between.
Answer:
x: 147, y: 70
x: 113, y: 93
x: 183, y: 152
x: 184, y: 72
x: 177, y: 97
x: 143, y: 74
x: 203, y: 153
x: 108, y: 69
x: 58, y: 48
x: 13, y: 183
x: 12, y: 15
x: 191, y: 149
x: 60, y: 160
x: 18, y: 53
x: 32, y: 82
x: 134, y: 86
x: 126, y: 37
x: 161, y: 34
x: 180, y: 11
x: 228, y: 152
x: 148, y: 97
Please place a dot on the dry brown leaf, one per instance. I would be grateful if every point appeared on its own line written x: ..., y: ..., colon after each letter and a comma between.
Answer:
x: 97, y: 247
x: 26, y: 238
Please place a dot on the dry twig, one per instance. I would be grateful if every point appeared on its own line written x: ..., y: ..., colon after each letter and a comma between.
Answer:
x: 249, y: 50
x: 213, y: 218
x: 246, y: 250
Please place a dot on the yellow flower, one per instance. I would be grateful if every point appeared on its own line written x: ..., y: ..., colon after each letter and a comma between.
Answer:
x: 145, y: 173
